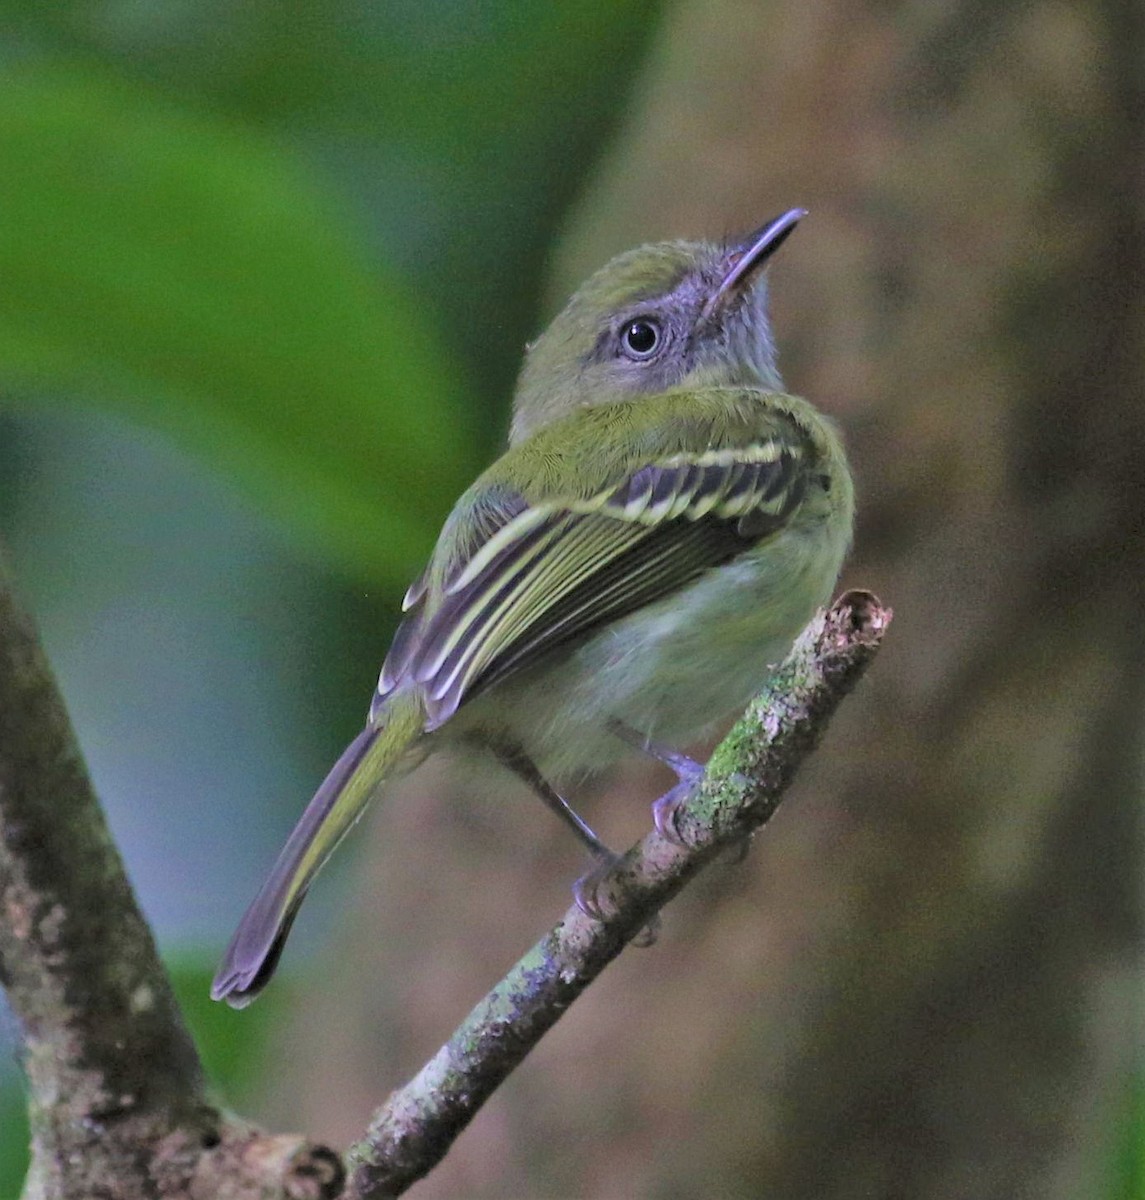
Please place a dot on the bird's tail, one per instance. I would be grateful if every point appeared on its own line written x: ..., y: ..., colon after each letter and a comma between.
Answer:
x: 371, y: 757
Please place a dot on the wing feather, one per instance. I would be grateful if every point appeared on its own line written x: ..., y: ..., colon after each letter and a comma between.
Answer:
x: 533, y: 578
x: 584, y: 548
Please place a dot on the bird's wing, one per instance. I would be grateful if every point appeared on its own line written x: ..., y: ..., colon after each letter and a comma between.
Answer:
x: 536, y: 576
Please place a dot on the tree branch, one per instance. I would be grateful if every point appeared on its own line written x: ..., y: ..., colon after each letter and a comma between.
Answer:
x: 117, y: 1096
x: 118, y: 1101
x: 742, y: 787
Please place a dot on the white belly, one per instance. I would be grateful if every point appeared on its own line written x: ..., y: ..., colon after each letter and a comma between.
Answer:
x: 672, y: 670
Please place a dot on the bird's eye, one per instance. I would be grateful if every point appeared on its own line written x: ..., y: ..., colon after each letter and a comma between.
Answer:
x: 641, y: 338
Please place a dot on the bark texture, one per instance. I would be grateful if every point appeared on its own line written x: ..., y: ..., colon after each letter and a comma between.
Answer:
x: 116, y: 1093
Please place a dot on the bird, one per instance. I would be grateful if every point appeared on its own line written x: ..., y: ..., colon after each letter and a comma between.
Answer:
x: 663, y: 523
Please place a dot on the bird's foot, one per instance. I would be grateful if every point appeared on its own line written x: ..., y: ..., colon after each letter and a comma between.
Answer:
x: 687, y: 771
x: 666, y: 810
x: 586, y: 895
x: 586, y: 890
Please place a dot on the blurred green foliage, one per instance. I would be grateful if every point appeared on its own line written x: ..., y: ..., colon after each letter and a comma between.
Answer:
x: 1127, y: 1175
x: 177, y: 267
x: 306, y: 245
x: 13, y: 1135
x: 230, y: 1043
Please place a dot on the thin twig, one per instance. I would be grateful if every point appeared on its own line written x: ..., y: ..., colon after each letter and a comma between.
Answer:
x: 746, y: 777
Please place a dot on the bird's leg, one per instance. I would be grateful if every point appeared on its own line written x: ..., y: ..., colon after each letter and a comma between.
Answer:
x: 687, y: 771
x: 514, y: 757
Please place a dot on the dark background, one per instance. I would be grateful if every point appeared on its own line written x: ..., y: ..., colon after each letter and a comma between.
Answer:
x: 265, y: 276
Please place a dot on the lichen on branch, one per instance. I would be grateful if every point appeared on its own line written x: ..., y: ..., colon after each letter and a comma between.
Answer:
x: 741, y: 789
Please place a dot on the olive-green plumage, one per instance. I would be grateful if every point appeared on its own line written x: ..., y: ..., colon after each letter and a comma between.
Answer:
x: 662, y: 525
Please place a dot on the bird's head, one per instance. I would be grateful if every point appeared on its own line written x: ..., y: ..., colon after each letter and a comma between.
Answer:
x: 652, y: 319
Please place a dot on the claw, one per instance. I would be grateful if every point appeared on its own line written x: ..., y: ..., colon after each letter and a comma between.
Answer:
x: 587, y: 887
x: 587, y: 899
x: 687, y: 771
x: 667, y: 808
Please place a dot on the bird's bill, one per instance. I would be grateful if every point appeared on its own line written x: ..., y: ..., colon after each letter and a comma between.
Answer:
x: 752, y: 253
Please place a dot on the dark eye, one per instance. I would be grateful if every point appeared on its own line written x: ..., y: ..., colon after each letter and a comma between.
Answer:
x: 641, y: 338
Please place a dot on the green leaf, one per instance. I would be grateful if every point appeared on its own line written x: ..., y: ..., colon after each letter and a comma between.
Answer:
x: 232, y: 1045
x: 14, y: 1134
x: 1127, y: 1169
x: 177, y: 268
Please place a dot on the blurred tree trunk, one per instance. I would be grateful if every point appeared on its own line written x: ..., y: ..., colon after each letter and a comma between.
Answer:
x: 922, y: 981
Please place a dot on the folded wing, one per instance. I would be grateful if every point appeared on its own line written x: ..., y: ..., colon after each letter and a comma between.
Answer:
x: 547, y: 574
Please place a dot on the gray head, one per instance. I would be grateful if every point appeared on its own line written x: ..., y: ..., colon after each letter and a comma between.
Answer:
x: 652, y: 319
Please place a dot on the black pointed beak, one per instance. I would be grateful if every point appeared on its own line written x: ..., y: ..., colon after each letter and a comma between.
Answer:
x: 751, y: 254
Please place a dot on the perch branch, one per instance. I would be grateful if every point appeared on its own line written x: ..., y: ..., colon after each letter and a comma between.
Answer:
x: 745, y: 779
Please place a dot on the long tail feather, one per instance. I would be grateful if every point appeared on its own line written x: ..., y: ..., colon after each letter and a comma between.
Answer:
x: 371, y: 757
